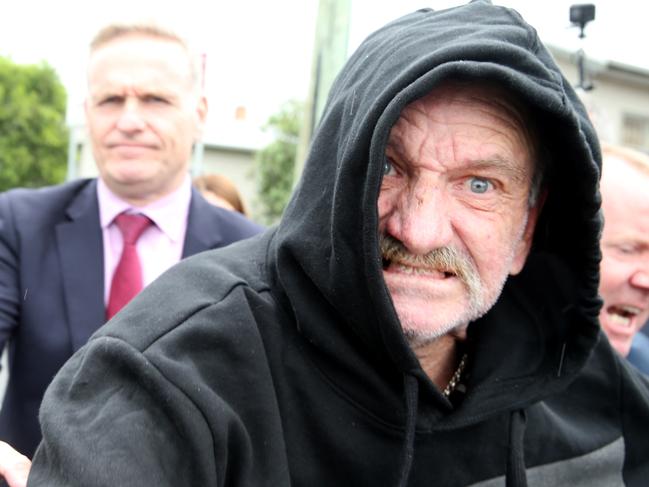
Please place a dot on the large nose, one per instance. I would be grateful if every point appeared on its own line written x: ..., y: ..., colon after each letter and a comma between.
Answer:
x: 422, y: 221
x: 131, y: 118
x: 640, y: 278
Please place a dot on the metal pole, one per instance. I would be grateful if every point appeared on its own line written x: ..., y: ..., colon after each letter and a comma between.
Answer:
x: 329, y: 54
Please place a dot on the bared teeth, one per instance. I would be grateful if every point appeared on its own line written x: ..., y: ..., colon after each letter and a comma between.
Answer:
x: 618, y: 319
x: 407, y: 269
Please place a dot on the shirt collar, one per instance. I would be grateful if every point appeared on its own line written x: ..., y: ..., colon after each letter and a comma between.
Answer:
x: 168, y: 213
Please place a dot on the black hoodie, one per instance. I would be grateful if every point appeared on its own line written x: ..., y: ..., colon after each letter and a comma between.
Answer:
x: 280, y: 360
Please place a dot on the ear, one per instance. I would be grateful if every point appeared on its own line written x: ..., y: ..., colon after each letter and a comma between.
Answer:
x: 525, y: 244
x: 201, y: 115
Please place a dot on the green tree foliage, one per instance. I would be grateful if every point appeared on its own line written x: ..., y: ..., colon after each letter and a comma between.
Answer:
x: 275, y: 163
x: 33, y: 135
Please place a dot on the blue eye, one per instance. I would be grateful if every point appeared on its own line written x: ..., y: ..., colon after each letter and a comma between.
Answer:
x: 111, y: 100
x: 479, y: 185
x: 626, y: 249
x: 388, y: 167
x: 155, y: 99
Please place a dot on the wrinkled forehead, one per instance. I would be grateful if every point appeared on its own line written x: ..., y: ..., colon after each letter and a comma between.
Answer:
x: 490, y: 103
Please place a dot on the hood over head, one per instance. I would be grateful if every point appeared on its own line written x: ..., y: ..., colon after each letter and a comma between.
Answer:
x: 327, y: 259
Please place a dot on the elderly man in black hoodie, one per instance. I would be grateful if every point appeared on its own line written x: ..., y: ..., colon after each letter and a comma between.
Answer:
x: 424, y: 314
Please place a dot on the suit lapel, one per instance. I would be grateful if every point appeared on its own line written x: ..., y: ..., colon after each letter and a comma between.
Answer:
x: 80, y: 248
x: 203, y: 229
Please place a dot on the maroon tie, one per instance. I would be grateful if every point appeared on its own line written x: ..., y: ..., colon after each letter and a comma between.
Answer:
x: 127, y: 280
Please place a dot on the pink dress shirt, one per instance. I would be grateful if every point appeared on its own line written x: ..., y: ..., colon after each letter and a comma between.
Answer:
x: 160, y: 246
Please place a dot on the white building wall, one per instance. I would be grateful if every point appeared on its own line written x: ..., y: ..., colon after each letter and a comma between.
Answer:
x: 611, y: 99
x: 238, y: 165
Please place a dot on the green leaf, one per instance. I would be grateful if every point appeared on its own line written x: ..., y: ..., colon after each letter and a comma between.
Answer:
x: 275, y: 163
x: 33, y: 134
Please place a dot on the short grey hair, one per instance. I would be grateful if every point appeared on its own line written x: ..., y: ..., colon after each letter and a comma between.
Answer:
x: 633, y: 158
x: 115, y: 31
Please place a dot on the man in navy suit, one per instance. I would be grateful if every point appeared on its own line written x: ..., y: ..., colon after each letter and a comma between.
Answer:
x: 60, y: 246
x: 624, y: 284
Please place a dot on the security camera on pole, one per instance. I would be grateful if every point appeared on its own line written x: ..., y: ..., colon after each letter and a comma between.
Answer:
x: 580, y: 15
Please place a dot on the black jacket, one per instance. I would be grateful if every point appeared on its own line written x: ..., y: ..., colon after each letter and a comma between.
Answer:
x: 281, y: 361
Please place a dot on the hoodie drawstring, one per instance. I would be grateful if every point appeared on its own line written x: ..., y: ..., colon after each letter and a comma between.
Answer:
x: 411, y: 395
x: 516, y: 476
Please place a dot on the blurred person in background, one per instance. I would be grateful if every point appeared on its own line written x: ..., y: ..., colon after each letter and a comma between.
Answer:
x: 221, y: 191
x: 624, y: 284
x: 72, y: 255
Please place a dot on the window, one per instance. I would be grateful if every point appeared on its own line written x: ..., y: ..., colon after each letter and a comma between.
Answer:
x: 635, y: 131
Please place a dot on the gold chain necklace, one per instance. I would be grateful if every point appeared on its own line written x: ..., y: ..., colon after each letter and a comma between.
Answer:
x: 455, y: 379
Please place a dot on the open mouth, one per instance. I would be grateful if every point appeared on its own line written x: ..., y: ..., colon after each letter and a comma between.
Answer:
x: 622, y: 315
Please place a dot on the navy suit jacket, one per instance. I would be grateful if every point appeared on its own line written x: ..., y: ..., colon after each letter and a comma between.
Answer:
x: 52, y: 286
x: 639, y: 353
